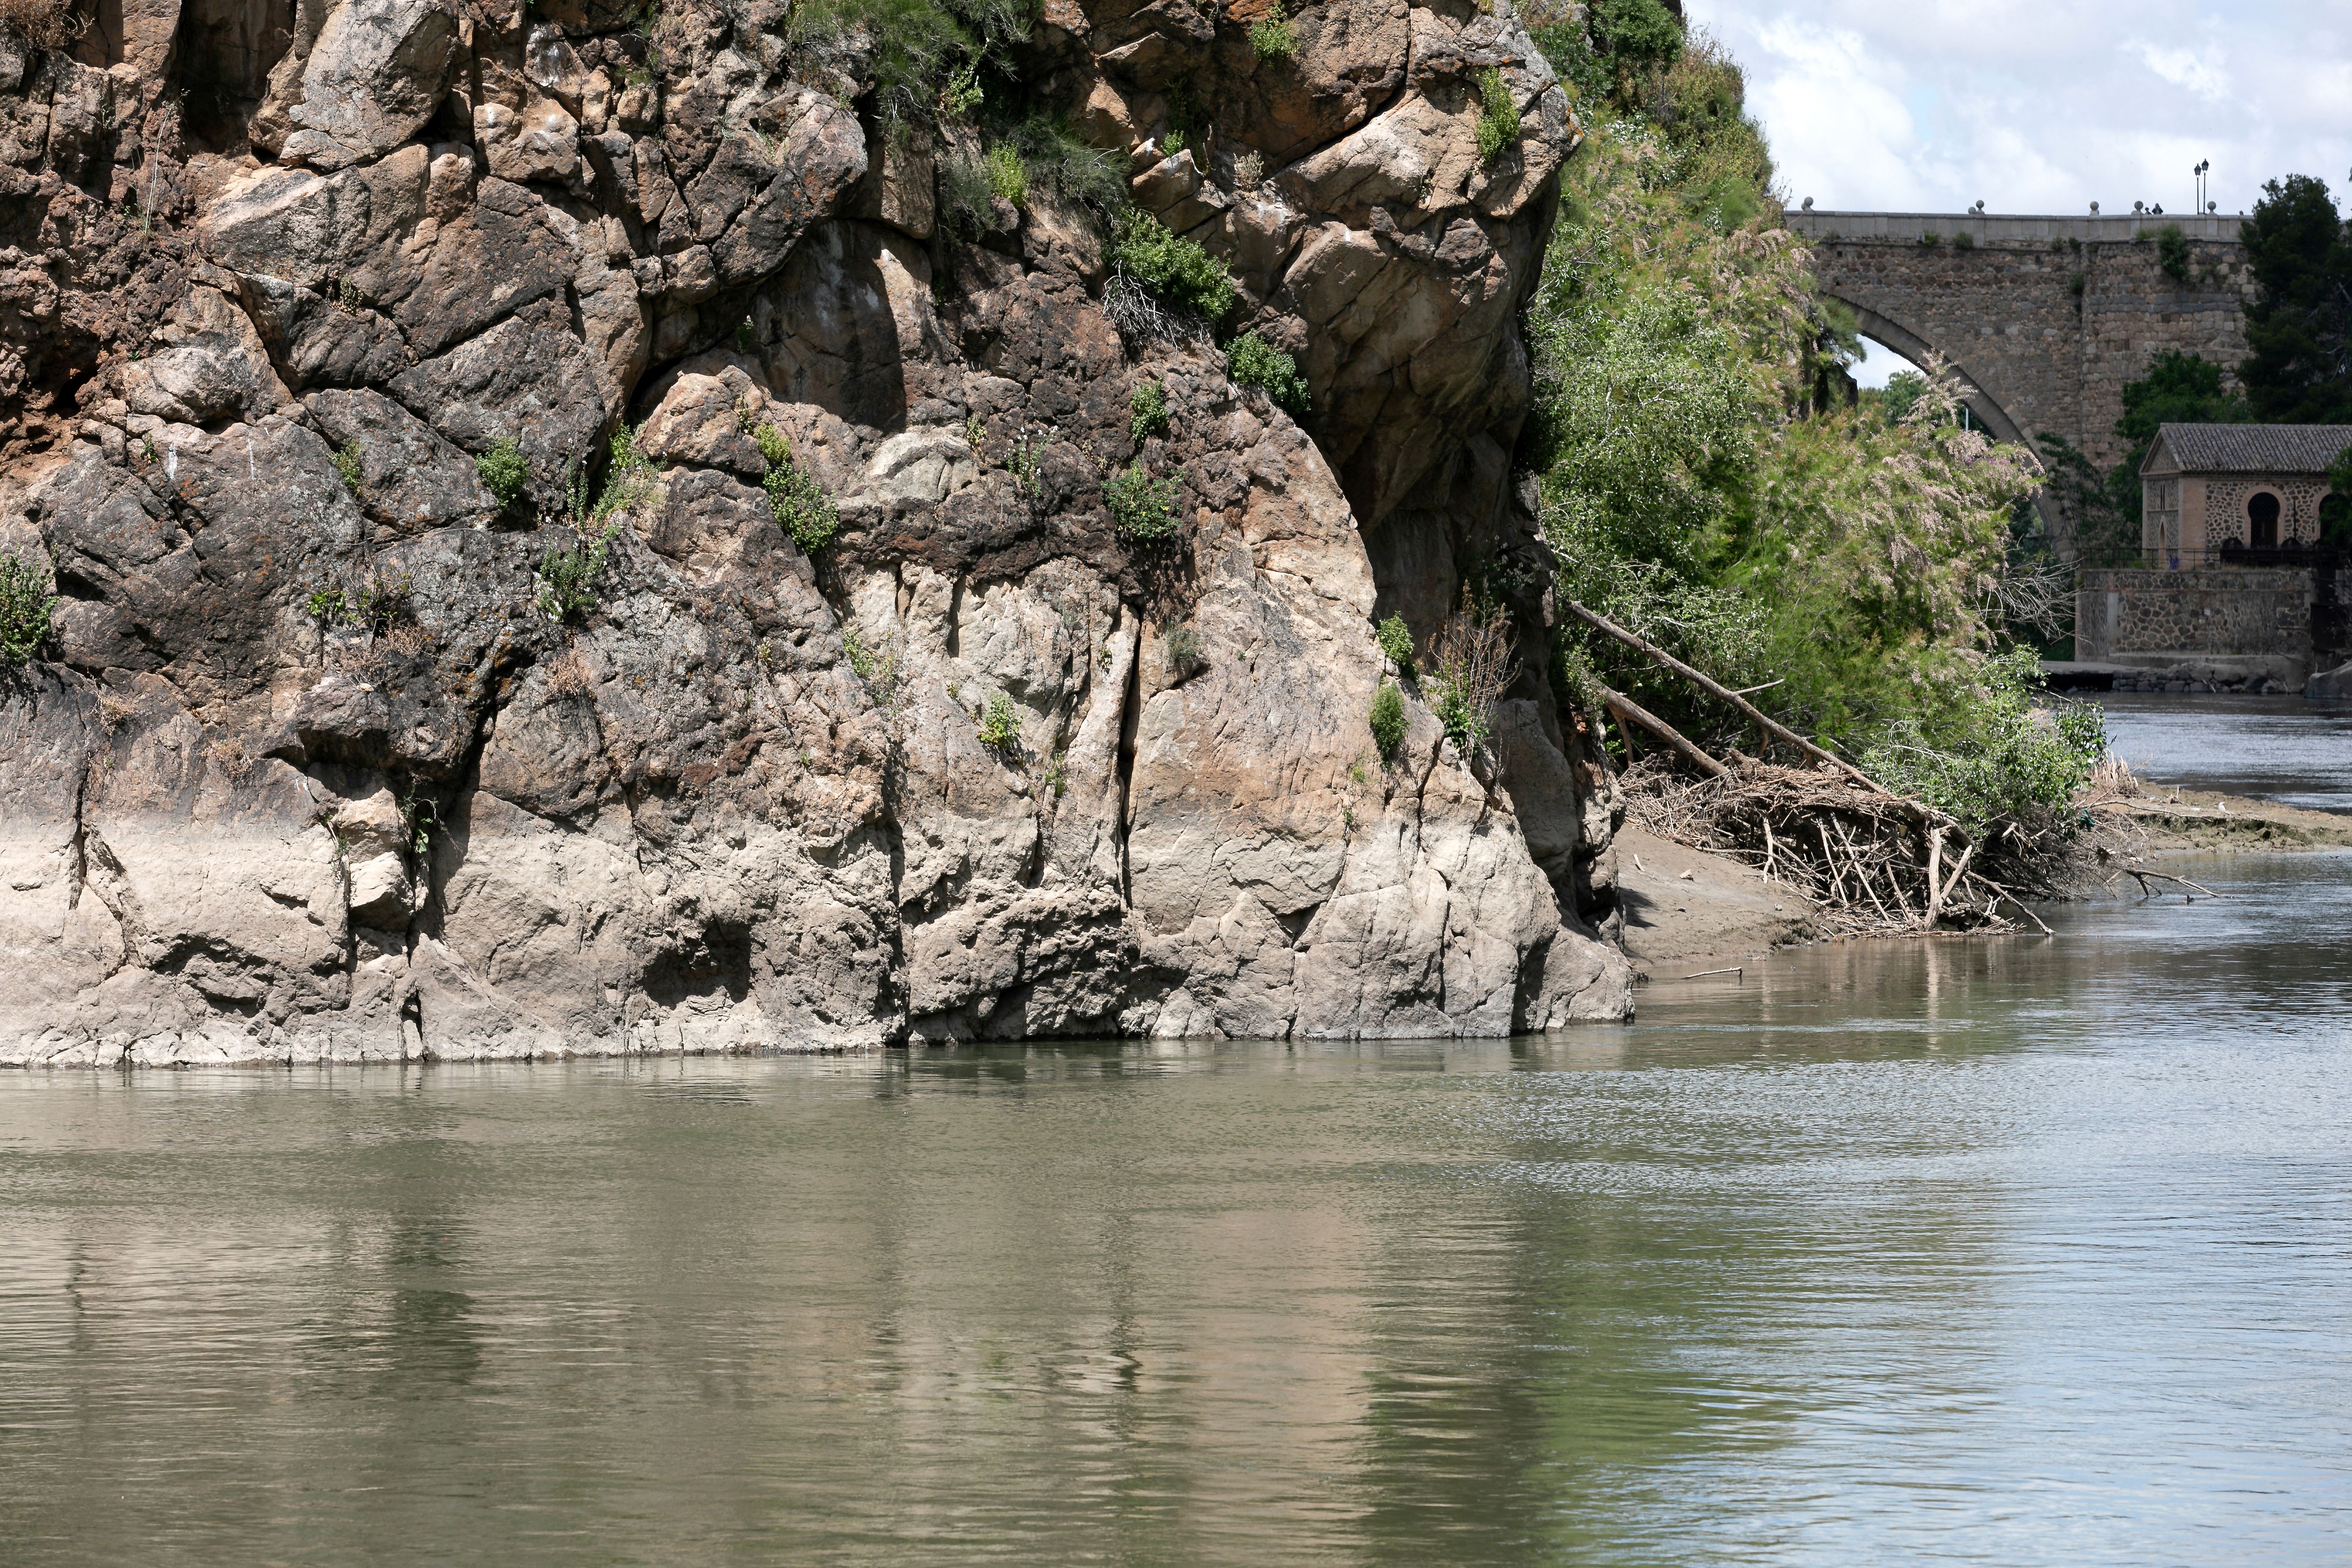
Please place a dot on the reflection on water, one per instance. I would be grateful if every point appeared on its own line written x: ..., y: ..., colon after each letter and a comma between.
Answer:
x: 2277, y: 748
x: 2001, y: 1251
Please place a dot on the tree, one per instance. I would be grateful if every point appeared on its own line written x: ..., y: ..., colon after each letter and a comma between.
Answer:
x: 2179, y: 389
x: 2299, y: 324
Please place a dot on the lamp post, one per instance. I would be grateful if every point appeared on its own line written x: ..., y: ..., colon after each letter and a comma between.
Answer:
x: 2202, y: 165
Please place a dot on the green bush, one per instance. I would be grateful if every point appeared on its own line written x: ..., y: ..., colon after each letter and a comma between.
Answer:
x: 799, y: 504
x: 630, y: 478
x: 1146, y: 411
x: 1637, y: 32
x: 1173, y: 267
x: 1141, y: 508
x: 773, y: 446
x: 325, y: 603
x: 566, y: 577
x: 503, y: 472
x: 1251, y: 361
x: 1387, y: 720
x: 1273, y: 36
x: 1396, y: 642
x: 25, y: 601
x: 1008, y: 176
x: 1000, y: 726
x: 1036, y: 152
x: 1499, y: 115
x: 2172, y: 252
x: 803, y: 507
x: 918, y: 46
x: 1964, y: 240
x: 347, y: 468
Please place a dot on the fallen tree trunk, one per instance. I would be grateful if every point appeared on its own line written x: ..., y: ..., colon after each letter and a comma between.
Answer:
x: 1715, y: 689
x: 1627, y: 709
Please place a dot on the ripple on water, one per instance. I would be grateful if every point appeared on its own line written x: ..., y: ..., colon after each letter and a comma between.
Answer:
x: 2010, y: 1252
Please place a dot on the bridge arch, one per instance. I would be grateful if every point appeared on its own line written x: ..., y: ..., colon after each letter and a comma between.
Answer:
x: 1880, y: 328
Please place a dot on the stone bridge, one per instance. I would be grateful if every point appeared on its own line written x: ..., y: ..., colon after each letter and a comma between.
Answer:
x: 2044, y: 318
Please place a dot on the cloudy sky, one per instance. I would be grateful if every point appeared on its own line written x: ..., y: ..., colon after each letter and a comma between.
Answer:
x: 2042, y: 106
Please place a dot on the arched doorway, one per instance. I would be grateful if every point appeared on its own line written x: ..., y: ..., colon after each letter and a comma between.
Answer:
x: 2263, y: 520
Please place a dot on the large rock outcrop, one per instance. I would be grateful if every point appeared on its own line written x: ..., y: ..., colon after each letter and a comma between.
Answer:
x: 319, y: 764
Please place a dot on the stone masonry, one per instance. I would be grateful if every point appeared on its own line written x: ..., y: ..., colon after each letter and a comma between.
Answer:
x: 2239, y: 616
x: 2045, y: 318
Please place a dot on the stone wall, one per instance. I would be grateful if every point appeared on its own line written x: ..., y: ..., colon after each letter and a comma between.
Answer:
x: 2047, y: 330
x: 2130, y: 615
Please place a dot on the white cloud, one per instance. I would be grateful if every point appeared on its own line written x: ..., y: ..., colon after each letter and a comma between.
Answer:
x: 2041, y: 105
x: 2186, y: 70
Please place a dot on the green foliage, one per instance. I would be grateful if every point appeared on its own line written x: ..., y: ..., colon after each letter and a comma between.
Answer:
x: 1173, y: 267
x: 2013, y: 755
x: 1146, y: 411
x: 325, y: 603
x: 1470, y: 667
x: 348, y: 469
x: 797, y: 502
x: 1251, y: 361
x: 503, y: 472
x: 1964, y: 240
x: 1273, y: 36
x: 1027, y: 460
x: 2335, y: 507
x: 567, y: 577
x: 921, y: 50
x: 746, y: 337
x: 1036, y: 152
x: 2100, y: 510
x: 26, y: 600
x: 1499, y: 115
x: 879, y: 666
x: 773, y: 448
x: 1636, y: 32
x: 1000, y: 726
x: 1141, y: 508
x: 2177, y: 389
x: 382, y: 603
x: 1396, y: 642
x: 2172, y: 252
x: 630, y: 480
x: 1894, y: 401
x: 1387, y: 720
x: 1851, y: 562
x: 1008, y: 176
x: 2299, y: 322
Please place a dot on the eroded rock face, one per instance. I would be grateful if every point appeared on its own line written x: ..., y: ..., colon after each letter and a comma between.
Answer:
x: 316, y: 764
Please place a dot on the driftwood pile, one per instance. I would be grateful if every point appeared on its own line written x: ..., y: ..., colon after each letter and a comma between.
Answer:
x: 1876, y: 861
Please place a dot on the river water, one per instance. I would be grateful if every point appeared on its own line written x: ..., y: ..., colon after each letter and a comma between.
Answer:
x: 2009, y: 1251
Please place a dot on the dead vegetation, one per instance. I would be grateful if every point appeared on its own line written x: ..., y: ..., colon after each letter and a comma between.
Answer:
x: 43, y: 24
x: 1876, y: 862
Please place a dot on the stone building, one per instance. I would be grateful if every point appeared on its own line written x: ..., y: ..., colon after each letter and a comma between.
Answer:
x: 2250, y: 487
x: 2236, y: 591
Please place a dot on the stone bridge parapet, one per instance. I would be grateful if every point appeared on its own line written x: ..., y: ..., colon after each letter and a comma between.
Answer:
x: 2045, y: 318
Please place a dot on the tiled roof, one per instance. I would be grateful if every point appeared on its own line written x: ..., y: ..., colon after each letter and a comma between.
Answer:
x: 2253, y: 448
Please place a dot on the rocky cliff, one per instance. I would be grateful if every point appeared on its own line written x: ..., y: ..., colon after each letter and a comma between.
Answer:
x: 345, y: 744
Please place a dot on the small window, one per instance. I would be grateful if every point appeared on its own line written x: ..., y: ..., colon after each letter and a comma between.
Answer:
x: 2262, y: 516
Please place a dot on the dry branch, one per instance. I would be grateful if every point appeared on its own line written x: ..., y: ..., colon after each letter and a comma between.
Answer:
x: 1626, y: 709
